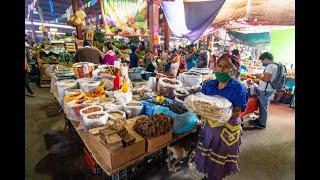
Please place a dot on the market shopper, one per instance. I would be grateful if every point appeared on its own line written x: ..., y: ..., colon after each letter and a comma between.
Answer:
x: 175, y: 63
x: 26, y: 71
x: 191, y: 58
x: 133, y: 58
x: 217, y: 153
x: 149, y: 62
x: 203, y: 59
x: 265, y: 91
x: 88, y: 54
x: 110, y: 56
x: 235, y: 59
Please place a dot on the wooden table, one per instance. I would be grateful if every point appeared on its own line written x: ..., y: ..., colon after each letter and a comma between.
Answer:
x: 96, y: 149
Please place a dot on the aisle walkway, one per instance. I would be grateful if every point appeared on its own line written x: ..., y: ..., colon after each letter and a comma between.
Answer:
x: 265, y: 154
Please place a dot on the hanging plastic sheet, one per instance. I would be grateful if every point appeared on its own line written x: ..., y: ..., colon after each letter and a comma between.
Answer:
x: 190, y: 19
x: 251, y: 39
x: 52, y: 10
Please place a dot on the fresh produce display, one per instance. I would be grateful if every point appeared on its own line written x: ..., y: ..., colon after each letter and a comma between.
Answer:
x: 156, y: 125
x: 132, y: 20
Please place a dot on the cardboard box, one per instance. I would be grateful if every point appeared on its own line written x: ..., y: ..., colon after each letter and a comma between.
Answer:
x: 125, y: 155
x: 156, y: 142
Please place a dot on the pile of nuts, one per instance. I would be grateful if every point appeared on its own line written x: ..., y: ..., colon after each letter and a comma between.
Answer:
x: 156, y: 125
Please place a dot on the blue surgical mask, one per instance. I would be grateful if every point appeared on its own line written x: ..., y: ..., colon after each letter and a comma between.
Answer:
x: 265, y: 64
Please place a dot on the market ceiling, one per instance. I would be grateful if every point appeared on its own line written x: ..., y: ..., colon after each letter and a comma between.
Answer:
x: 59, y: 7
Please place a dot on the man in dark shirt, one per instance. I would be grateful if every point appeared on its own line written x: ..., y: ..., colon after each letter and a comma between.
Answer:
x: 133, y: 58
x: 88, y: 54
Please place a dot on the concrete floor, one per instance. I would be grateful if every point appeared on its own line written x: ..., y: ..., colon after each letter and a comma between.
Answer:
x: 265, y: 154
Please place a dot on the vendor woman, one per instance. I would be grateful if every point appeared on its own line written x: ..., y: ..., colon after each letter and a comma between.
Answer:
x: 218, y: 147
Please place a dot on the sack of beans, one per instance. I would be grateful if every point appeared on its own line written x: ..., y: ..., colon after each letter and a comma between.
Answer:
x: 133, y: 108
x: 166, y: 87
x: 183, y: 120
x: 90, y: 86
x: 64, y: 85
x: 94, y: 120
x: 190, y: 79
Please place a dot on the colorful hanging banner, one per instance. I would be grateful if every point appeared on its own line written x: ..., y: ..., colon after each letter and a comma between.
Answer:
x: 131, y: 21
x: 52, y: 10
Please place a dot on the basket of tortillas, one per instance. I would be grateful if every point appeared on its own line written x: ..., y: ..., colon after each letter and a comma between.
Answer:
x: 215, y: 108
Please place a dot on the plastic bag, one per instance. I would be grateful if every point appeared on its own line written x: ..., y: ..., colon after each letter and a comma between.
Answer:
x: 167, y: 86
x: 90, y: 109
x: 90, y: 102
x: 94, y: 120
x: 64, y: 85
x: 123, y: 98
x: 180, y: 94
x: 73, y: 109
x: 152, y: 84
x: 216, y: 108
x: 112, y: 107
x: 115, y: 114
x: 89, y: 86
x: 83, y: 69
x: 190, y: 79
x: 181, y: 122
x: 133, y: 108
x: 105, y: 101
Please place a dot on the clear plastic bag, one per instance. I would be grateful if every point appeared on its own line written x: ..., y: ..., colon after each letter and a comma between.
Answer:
x: 166, y: 87
x: 133, y: 108
x: 216, y: 108
x: 89, y: 86
x: 190, y: 79
x: 115, y: 114
x: 123, y: 98
x: 94, y: 120
x: 90, y: 109
x: 73, y: 107
x: 64, y: 85
x: 112, y: 107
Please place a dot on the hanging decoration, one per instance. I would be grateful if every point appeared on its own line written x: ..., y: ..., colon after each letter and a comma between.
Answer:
x: 78, y: 19
x: 131, y: 21
x: 52, y: 10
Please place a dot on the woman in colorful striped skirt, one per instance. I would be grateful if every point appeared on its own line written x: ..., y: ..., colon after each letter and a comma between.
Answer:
x: 218, y: 147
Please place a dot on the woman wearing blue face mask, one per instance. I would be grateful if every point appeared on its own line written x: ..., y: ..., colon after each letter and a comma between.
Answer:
x: 217, y: 157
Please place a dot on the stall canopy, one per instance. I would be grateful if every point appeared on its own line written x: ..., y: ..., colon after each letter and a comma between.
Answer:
x: 189, y: 19
x: 266, y: 12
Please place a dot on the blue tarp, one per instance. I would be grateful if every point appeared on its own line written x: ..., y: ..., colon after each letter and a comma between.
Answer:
x: 250, y: 39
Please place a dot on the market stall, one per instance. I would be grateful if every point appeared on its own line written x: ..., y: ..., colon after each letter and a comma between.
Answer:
x: 124, y: 125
